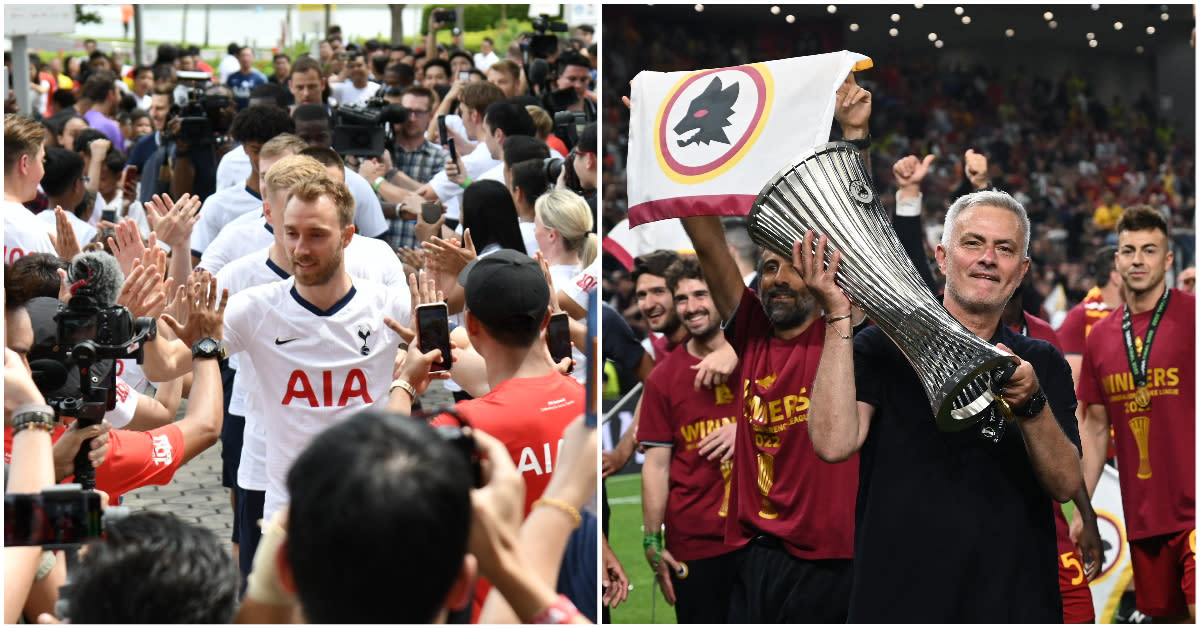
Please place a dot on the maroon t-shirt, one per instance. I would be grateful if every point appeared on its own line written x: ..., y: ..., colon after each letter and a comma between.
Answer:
x: 674, y: 412
x: 780, y: 487
x: 1156, y: 447
x: 1079, y: 321
x: 663, y: 346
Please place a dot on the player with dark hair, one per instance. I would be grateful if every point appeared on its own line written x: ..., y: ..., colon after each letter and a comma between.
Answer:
x: 1137, y: 379
x: 655, y: 302
x: 687, y: 472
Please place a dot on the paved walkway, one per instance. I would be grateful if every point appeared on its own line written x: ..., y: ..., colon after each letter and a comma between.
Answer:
x: 196, y: 494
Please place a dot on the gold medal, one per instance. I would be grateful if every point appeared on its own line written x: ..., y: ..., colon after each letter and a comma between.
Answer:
x: 1142, y: 397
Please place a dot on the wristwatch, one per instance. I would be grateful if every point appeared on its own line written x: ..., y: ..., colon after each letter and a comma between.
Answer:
x: 208, y: 348
x: 861, y: 144
x: 1033, y: 406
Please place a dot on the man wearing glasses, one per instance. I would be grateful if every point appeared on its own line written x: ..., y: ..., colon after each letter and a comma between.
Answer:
x: 411, y: 162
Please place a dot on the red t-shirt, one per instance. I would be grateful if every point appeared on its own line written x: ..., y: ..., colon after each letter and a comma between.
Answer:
x: 1156, y: 448
x: 528, y: 415
x: 134, y: 460
x: 780, y: 487
x: 674, y: 412
x: 663, y: 346
x: 1079, y: 321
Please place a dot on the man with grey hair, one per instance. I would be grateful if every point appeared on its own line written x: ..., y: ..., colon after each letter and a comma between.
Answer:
x: 949, y: 527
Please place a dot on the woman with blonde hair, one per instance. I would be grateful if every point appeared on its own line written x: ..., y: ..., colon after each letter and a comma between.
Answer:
x: 563, y: 229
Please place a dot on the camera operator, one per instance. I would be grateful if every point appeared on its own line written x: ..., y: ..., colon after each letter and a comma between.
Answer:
x: 194, y: 141
x: 575, y: 76
x: 137, y: 458
x: 411, y: 162
x: 314, y: 126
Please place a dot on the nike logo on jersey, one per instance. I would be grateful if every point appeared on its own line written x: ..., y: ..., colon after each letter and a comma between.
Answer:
x: 279, y: 341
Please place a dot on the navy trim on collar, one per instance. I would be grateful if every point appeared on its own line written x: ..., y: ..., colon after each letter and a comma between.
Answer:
x: 267, y: 226
x: 281, y: 272
x: 318, y: 311
x: 253, y: 193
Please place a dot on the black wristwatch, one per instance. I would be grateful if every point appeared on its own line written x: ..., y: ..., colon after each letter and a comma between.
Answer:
x: 208, y: 348
x: 861, y: 144
x: 1033, y: 406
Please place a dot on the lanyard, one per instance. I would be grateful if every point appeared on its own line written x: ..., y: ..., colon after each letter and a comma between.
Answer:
x: 1139, y: 366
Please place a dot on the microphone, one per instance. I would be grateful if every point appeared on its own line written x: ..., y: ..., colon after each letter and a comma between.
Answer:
x: 95, y: 275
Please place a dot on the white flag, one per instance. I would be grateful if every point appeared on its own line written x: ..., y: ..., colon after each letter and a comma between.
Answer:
x: 705, y: 142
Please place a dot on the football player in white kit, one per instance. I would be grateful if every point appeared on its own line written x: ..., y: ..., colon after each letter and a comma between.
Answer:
x: 319, y: 347
x: 273, y: 264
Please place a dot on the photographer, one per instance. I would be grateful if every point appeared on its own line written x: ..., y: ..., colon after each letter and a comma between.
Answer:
x: 194, y: 141
x: 574, y: 78
x: 142, y: 458
x: 411, y: 162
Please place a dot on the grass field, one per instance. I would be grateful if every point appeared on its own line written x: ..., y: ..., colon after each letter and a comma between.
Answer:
x: 645, y: 604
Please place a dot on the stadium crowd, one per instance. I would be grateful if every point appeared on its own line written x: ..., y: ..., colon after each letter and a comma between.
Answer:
x: 317, y: 248
x: 792, y: 469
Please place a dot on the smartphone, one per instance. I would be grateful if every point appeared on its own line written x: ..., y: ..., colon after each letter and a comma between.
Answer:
x: 558, y: 336
x: 464, y: 76
x: 433, y: 331
x: 431, y: 212
x: 59, y: 517
x: 442, y: 129
x: 453, y: 153
x: 109, y: 215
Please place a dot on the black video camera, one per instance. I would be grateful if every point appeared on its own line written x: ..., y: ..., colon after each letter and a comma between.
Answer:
x: 361, y: 130
x: 60, y: 517
x: 88, y: 338
x: 552, y: 167
x: 203, y: 116
x: 541, y: 45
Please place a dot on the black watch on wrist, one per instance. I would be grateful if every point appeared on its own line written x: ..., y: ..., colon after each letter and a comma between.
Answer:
x: 208, y: 348
x: 861, y: 144
x: 1033, y: 406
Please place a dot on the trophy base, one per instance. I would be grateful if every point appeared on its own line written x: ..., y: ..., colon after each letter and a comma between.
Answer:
x: 967, y: 395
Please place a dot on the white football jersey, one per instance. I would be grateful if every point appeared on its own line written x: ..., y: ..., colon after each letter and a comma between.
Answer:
x: 218, y: 210
x: 243, y: 235
x: 312, y: 367
x: 24, y: 233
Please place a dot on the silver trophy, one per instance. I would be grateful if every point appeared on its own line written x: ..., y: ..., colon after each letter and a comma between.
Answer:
x: 828, y: 191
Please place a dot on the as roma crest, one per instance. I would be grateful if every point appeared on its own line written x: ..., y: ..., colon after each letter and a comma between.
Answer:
x: 710, y: 120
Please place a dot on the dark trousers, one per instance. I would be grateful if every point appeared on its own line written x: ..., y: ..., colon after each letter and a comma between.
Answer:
x: 775, y: 587
x: 249, y: 511
x: 703, y: 593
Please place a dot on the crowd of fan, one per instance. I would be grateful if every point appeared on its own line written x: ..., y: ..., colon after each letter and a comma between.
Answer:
x: 184, y: 180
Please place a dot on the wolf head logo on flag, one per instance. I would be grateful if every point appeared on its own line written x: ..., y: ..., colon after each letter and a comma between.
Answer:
x: 708, y: 114
x: 705, y: 142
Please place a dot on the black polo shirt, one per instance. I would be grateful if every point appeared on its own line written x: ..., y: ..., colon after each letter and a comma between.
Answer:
x: 951, y: 527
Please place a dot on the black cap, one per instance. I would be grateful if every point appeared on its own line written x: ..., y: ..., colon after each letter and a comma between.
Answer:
x: 503, y: 286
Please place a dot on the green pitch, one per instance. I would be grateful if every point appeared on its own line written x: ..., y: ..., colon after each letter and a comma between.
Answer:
x: 625, y: 537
